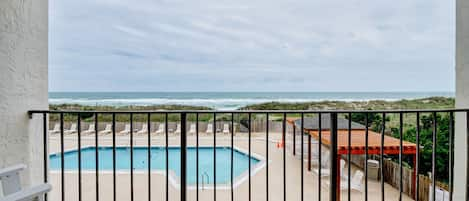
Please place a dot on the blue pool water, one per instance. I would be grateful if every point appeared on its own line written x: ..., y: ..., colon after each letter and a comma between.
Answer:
x: 158, y: 161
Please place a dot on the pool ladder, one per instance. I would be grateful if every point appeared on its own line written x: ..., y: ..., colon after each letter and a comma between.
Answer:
x: 204, y: 175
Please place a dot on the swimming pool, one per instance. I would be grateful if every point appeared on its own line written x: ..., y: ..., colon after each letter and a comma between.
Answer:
x: 158, y: 161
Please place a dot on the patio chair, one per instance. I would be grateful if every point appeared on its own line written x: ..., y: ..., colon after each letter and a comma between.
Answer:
x: 161, y: 129
x: 440, y: 194
x: 73, y: 129
x: 192, y: 130
x: 90, y: 130
x: 209, y: 129
x: 355, y: 183
x: 56, y: 129
x: 144, y: 129
x: 226, y: 129
x: 325, y: 170
x: 324, y: 158
x: 314, y: 150
x: 178, y: 129
x: 107, y: 130
x: 11, y: 186
x: 126, y: 130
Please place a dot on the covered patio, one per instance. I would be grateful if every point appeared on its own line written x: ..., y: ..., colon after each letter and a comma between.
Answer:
x: 362, y: 141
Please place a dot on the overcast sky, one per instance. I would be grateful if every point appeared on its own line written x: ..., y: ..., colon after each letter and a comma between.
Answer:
x: 251, y: 45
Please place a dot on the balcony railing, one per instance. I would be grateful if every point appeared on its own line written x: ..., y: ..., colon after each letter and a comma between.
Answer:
x: 276, y: 146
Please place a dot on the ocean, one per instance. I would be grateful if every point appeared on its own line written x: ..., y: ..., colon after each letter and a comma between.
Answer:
x: 224, y: 100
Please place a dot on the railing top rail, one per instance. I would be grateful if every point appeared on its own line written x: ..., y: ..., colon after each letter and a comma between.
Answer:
x: 249, y: 111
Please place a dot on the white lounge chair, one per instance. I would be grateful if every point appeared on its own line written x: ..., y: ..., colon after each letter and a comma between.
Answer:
x: 226, y: 129
x: 161, y: 129
x: 325, y: 172
x: 440, y: 194
x: 73, y: 129
x: 107, y: 130
x: 144, y: 130
x: 91, y: 130
x: 12, y: 190
x: 192, y: 129
x: 209, y: 129
x: 178, y: 129
x: 126, y: 130
x: 324, y: 158
x: 314, y: 150
x: 355, y: 183
x: 56, y: 129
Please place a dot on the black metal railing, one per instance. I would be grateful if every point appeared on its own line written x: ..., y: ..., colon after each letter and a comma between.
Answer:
x: 341, y: 124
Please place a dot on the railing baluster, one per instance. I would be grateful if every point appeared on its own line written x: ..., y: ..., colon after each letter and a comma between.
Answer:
x: 366, y: 156
x: 381, y: 155
x: 114, y: 156
x: 232, y: 156
x: 417, y: 157
x: 320, y: 154
x: 284, y: 157
x: 349, y: 155
x: 302, y: 161
x: 45, y: 149
x: 131, y: 157
x: 309, y: 152
x: 62, y: 155
x: 79, y: 155
x: 334, y: 178
x: 197, y: 156
x: 149, y: 154
x: 434, y: 133
x: 249, y: 153
x: 467, y: 155
x: 96, y: 154
x: 401, y: 171
x: 183, y: 157
x: 214, y: 156
x: 294, y: 140
x: 267, y: 157
x: 451, y: 156
x: 167, y: 155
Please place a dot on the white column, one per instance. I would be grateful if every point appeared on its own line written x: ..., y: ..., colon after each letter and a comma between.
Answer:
x: 23, y: 83
x: 462, y: 97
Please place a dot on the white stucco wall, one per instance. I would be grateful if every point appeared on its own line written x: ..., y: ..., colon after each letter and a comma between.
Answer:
x: 23, y: 83
x: 462, y: 96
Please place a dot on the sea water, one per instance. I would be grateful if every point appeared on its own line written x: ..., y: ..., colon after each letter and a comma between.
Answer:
x: 224, y: 100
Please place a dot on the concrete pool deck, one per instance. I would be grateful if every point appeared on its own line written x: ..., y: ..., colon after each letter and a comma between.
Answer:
x: 258, y: 180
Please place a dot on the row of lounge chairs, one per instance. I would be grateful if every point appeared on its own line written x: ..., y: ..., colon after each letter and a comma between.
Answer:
x: 144, y: 130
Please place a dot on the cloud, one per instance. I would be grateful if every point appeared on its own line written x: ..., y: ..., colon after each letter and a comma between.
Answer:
x: 129, y: 54
x: 221, y: 45
x: 131, y: 31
